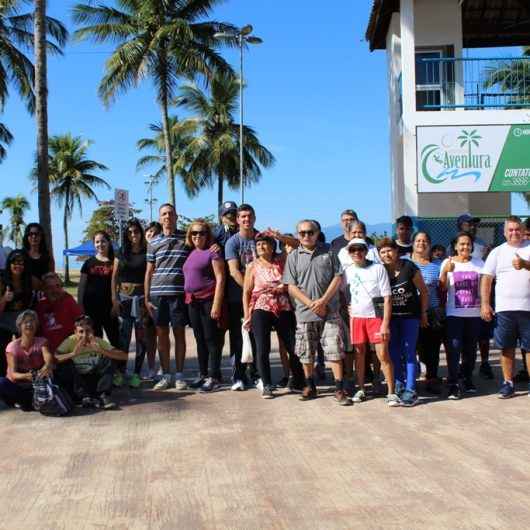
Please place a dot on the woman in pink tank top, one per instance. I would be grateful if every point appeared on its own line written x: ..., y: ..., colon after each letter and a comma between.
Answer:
x: 267, y: 306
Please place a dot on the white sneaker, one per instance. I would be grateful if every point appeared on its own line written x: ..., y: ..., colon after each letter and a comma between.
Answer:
x: 164, y: 383
x: 359, y: 396
x: 238, y: 386
x: 259, y: 385
x: 180, y: 384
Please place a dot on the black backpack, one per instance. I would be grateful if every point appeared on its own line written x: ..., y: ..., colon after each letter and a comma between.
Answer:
x: 50, y: 399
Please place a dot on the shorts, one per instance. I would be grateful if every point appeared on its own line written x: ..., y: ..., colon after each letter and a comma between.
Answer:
x: 486, y: 330
x: 170, y: 310
x: 326, y: 333
x: 365, y: 330
x: 512, y: 326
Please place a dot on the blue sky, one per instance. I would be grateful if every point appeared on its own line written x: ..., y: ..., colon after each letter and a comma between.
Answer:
x: 316, y: 96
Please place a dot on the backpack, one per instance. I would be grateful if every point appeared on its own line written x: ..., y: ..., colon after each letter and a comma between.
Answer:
x: 49, y: 399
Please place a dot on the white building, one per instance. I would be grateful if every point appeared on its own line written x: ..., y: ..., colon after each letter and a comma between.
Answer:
x: 455, y: 137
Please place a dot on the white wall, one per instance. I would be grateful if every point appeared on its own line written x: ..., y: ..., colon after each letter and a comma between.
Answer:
x: 436, y: 23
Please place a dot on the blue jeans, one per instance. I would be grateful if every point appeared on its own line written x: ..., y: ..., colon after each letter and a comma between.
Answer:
x: 403, y: 339
x: 462, y: 341
x: 128, y: 322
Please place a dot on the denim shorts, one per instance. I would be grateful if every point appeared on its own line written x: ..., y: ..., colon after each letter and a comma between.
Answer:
x: 170, y: 310
x: 511, y: 327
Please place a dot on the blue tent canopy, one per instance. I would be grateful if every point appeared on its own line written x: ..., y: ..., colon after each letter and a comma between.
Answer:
x: 84, y: 249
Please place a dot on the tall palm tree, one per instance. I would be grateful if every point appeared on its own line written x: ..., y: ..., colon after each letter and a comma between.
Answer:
x: 16, y: 207
x: 159, y: 39
x: 181, y: 136
x: 41, y: 28
x: 72, y: 178
x: 214, y: 151
x: 5, y: 139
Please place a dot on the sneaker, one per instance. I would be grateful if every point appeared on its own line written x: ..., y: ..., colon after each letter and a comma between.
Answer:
x: 454, y: 392
x: 399, y: 388
x: 89, y: 403
x: 197, y: 382
x: 486, y: 371
x: 408, y: 398
x: 294, y: 386
x: 507, y: 390
x: 106, y: 403
x: 266, y: 392
x: 359, y: 396
x: 521, y: 377
x: 151, y: 374
x: 309, y: 392
x: 118, y: 380
x: 259, y: 385
x: 135, y: 381
x: 392, y: 400
x: 469, y: 387
x: 238, y: 386
x: 164, y: 383
x: 282, y: 383
x: 342, y: 399
x: 180, y: 384
x: 209, y: 385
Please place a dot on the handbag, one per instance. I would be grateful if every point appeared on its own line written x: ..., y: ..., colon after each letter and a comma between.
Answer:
x: 50, y: 399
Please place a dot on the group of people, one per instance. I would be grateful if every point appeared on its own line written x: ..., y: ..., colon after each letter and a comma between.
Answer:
x: 360, y: 307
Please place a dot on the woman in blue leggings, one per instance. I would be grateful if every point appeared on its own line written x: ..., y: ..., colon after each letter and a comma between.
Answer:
x: 410, y: 300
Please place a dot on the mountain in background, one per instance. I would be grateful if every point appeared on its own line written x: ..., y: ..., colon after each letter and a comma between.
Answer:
x: 336, y: 230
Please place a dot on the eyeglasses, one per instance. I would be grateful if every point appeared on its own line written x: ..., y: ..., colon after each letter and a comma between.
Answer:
x: 306, y: 233
x: 198, y: 233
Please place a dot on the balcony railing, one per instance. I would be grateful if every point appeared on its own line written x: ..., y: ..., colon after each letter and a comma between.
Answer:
x: 473, y: 84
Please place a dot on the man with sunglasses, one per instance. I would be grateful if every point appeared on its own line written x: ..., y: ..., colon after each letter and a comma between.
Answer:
x: 313, y: 275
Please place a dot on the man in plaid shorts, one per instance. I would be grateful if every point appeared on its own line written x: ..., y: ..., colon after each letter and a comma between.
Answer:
x: 313, y: 275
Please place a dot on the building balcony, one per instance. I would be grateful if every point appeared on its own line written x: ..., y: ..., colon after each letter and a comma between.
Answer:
x: 449, y: 83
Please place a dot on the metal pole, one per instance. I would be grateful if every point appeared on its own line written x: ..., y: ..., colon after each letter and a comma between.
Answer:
x: 241, y: 178
x: 150, y: 201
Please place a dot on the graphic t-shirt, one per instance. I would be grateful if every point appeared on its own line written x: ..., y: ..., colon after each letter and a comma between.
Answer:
x: 57, y: 319
x: 244, y: 250
x: 198, y: 270
x: 463, y: 290
x: 366, y: 283
x: 98, y: 286
x: 405, y: 297
x: 512, y: 290
x: 26, y: 360
x: 87, y: 359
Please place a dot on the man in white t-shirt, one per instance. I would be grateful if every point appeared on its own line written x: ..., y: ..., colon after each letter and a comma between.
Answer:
x: 369, y: 282
x: 509, y: 264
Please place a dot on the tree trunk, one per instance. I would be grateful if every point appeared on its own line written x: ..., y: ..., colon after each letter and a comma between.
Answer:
x: 220, y: 199
x: 164, y: 103
x: 66, y: 261
x: 41, y: 114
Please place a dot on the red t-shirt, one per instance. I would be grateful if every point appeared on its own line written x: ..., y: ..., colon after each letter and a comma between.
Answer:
x: 57, y: 319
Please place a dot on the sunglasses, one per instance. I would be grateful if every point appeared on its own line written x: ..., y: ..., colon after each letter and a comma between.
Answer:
x: 357, y: 249
x: 198, y: 233
x: 306, y: 233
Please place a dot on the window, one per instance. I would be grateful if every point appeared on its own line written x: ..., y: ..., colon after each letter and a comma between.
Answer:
x: 435, y: 78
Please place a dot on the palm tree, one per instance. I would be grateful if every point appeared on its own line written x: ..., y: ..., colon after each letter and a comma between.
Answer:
x: 41, y: 27
x: 16, y: 206
x: 5, y: 138
x: 214, y: 151
x: 71, y: 177
x: 181, y: 136
x: 159, y: 39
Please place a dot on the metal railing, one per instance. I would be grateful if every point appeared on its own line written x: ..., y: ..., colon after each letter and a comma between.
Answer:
x: 472, y: 83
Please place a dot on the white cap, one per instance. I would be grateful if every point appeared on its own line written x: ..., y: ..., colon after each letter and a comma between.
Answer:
x: 357, y: 241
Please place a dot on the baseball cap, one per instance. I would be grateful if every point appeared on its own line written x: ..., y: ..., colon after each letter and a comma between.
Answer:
x: 227, y: 207
x: 357, y: 242
x: 467, y: 218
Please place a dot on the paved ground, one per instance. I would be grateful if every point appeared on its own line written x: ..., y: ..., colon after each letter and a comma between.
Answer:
x: 233, y: 460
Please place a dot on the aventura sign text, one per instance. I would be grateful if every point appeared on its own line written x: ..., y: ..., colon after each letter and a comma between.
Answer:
x: 473, y: 158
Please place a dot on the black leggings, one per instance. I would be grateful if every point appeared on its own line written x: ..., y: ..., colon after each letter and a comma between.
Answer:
x: 429, y: 342
x: 285, y: 325
x: 205, y: 331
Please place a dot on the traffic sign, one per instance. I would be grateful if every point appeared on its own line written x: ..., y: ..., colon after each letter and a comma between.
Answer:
x: 121, y: 204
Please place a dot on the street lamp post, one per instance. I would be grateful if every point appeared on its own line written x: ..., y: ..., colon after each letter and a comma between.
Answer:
x: 152, y: 180
x: 244, y: 37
